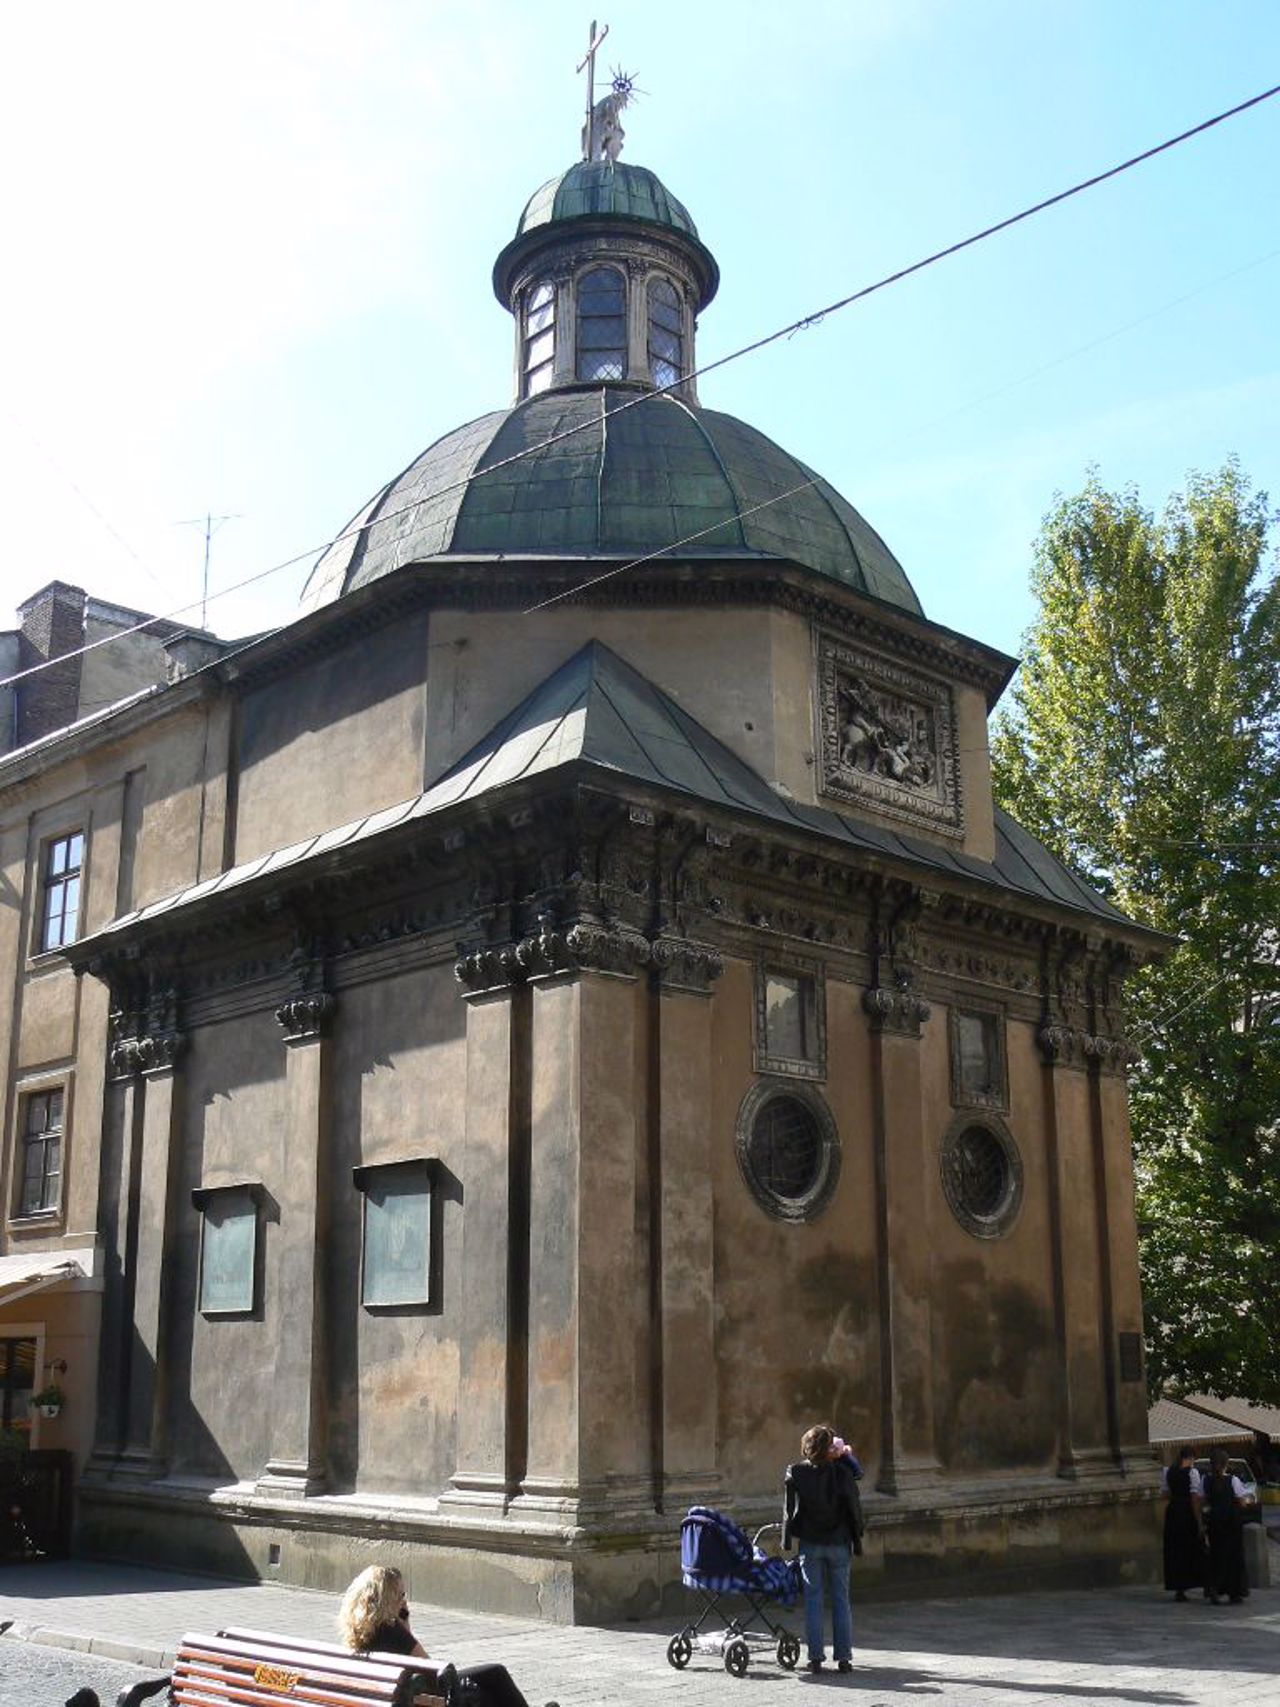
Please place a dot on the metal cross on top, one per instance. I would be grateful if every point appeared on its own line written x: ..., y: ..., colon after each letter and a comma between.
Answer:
x: 589, y: 66
x: 602, y: 133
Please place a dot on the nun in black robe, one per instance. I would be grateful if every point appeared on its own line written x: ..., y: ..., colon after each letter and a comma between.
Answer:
x: 1184, y: 1559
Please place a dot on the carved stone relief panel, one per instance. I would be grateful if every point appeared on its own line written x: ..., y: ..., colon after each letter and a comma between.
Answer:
x: 887, y: 736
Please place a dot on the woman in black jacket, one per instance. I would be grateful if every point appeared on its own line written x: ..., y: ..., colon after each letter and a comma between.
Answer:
x: 823, y: 1512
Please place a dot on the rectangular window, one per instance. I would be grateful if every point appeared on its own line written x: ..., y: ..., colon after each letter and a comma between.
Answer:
x: 790, y: 1029
x: 977, y: 1059
x: 229, y: 1266
x: 60, y: 891
x: 17, y: 1382
x: 396, y: 1250
x: 41, y: 1152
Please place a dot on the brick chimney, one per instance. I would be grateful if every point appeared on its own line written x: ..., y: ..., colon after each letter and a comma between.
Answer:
x: 52, y: 626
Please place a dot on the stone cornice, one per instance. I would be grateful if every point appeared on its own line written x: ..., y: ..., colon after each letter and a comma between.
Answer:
x: 486, y: 584
x: 595, y: 880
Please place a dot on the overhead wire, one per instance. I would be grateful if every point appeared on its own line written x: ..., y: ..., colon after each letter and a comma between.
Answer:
x: 804, y: 323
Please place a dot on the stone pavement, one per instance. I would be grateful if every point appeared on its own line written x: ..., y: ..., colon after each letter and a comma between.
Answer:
x: 1130, y: 1647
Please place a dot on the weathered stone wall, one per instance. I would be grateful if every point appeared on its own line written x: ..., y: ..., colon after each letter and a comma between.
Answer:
x: 334, y: 739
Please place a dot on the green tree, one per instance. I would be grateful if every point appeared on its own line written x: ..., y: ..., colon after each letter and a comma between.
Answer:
x: 1143, y: 745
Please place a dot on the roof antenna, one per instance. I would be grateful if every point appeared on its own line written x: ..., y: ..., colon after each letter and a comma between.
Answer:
x: 211, y: 525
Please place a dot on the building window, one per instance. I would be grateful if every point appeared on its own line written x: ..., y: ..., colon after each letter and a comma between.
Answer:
x: 41, y: 1152
x: 396, y: 1249
x: 978, y: 1075
x: 788, y: 1150
x: 539, y: 337
x: 230, y: 1260
x: 790, y: 1020
x: 17, y: 1383
x: 982, y: 1175
x: 602, y: 325
x: 666, y: 333
x: 60, y: 900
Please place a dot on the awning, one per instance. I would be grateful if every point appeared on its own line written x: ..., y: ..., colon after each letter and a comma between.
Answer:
x: 1170, y: 1424
x: 20, y: 1275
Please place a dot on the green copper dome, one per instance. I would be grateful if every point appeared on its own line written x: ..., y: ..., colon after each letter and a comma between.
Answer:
x: 599, y: 194
x: 608, y: 190
x: 658, y: 473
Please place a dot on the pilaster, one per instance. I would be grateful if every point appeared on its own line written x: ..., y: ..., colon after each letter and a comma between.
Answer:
x: 909, y: 1454
x: 587, y: 1439
x: 1078, y: 1255
x: 296, y: 1465
x: 155, y: 1055
x: 682, y: 1249
x: 493, y: 1329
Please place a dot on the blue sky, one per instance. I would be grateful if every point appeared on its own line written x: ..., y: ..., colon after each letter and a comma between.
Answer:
x: 250, y: 245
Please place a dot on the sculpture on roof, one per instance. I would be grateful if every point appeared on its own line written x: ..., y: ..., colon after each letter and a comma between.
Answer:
x: 602, y: 132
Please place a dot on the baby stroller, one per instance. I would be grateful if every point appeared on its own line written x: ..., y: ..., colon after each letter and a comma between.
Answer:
x: 717, y: 1558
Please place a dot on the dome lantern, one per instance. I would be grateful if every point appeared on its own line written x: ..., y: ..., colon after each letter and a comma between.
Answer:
x: 605, y: 278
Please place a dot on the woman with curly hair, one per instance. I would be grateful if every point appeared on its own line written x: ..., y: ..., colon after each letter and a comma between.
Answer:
x: 374, y: 1618
x: 374, y: 1615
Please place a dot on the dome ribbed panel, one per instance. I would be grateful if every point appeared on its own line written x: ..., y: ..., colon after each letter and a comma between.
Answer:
x: 601, y: 189
x: 658, y: 474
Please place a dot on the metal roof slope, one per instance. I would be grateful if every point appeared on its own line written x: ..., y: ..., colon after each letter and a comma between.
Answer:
x: 1169, y: 1423
x: 1263, y: 1419
x: 597, y: 709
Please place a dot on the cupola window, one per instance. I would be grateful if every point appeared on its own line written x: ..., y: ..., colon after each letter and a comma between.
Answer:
x: 666, y: 333
x: 539, y: 337
x: 602, y: 325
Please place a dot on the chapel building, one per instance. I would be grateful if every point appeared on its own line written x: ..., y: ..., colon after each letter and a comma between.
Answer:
x: 563, y: 1015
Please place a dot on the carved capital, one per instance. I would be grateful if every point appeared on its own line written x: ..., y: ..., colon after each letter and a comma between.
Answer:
x: 544, y: 953
x: 122, y: 1058
x: 684, y: 965
x: 1063, y: 1045
x: 1112, y: 1054
x: 305, y: 1015
x: 586, y: 946
x: 608, y: 948
x: 158, y: 1052
x: 895, y: 1009
x: 483, y: 970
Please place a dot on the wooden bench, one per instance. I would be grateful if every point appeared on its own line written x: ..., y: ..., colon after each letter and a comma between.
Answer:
x: 254, y: 1668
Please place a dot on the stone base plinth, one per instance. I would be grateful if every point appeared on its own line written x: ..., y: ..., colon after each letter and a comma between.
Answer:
x: 1040, y: 1534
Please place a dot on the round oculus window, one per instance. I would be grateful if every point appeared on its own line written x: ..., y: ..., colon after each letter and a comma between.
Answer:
x: 788, y: 1149
x: 982, y: 1175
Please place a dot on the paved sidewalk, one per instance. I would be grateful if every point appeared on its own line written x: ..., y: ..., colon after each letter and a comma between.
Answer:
x: 1130, y: 1647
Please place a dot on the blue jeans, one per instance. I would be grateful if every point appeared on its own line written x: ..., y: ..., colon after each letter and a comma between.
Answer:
x: 826, y: 1565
